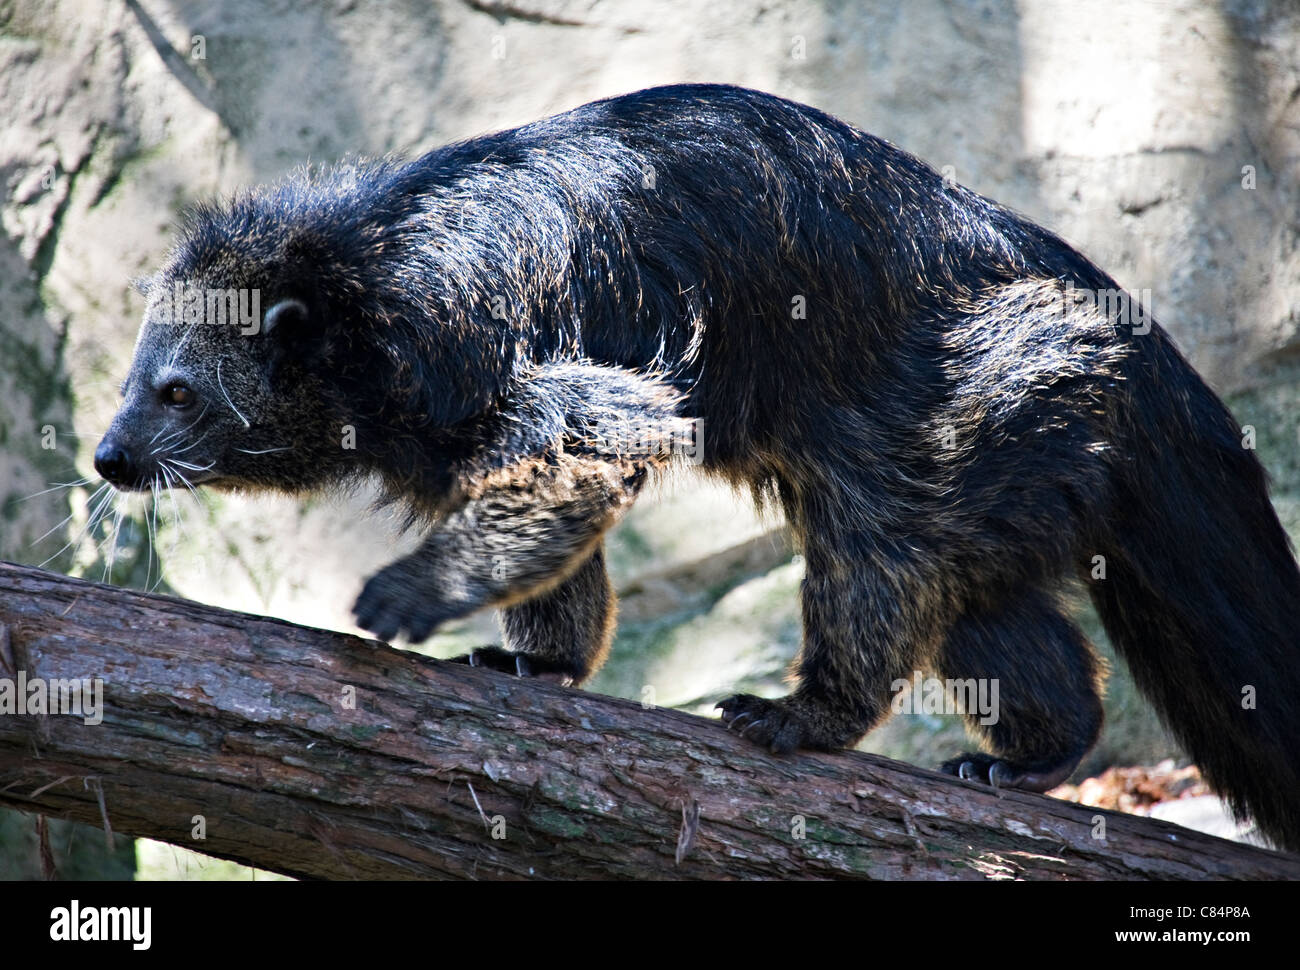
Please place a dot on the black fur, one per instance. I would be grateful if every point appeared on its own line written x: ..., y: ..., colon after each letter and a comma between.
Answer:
x: 949, y: 431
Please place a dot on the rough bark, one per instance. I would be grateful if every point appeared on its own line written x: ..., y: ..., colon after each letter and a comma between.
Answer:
x: 244, y: 720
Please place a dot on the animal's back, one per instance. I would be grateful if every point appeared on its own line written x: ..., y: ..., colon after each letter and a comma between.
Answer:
x: 774, y: 260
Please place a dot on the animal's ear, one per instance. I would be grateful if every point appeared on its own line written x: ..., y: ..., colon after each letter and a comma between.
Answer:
x: 291, y: 334
x: 287, y: 320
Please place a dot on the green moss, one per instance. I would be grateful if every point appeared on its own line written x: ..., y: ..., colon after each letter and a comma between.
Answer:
x: 118, y: 170
x: 1273, y: 410
x: 42, y: 382
x: 39, y: 395
x: 556, y: 823
x: 79, y: 851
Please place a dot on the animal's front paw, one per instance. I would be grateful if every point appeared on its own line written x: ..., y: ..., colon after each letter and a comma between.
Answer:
x: 775, y: 724
x: 397, y: 599
x: 519, y: 664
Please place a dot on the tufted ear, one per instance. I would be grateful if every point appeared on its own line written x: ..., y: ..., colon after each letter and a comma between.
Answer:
x: 286, y: 321
x: 292, y: 334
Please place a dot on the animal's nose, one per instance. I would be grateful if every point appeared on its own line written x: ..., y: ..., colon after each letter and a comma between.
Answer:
x: 112, y: 461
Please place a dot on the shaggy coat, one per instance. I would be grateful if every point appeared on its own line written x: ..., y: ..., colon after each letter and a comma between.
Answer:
x: 955, y: 410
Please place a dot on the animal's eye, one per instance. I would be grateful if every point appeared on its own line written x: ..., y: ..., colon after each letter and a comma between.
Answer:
x: 178, y: 395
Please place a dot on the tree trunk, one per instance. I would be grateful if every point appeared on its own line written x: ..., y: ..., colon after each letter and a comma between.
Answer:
x: 322, y: 755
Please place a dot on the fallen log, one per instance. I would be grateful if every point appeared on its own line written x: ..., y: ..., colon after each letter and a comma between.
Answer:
x: 323, y: 755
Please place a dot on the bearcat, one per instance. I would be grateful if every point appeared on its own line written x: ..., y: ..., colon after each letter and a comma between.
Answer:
x: 955, y: 410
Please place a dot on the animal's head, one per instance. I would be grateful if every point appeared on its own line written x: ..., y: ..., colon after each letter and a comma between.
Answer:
x: 215, y: 394
x: 292, y: 339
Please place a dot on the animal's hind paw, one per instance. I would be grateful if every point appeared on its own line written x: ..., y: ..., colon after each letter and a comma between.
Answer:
x: 988, y: 769
x: 982, y: 768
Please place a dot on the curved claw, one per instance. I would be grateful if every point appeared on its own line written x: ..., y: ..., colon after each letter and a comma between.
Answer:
x: 1000, y: 776
x: 755, y: 724
x: 735, y: 724
x: 967, y: 771
x: 550, y: 677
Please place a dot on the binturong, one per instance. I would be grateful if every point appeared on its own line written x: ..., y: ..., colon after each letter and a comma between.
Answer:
x: 955, y: 410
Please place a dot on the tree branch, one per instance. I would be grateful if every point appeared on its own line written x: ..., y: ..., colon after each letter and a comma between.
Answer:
x: 443, y: 771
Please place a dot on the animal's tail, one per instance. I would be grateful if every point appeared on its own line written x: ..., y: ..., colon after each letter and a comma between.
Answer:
x: 1201, y: 593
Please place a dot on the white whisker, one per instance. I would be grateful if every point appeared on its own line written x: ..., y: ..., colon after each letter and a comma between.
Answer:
x: 56, y: 486
x: 59, y: 525
x: 93, y: 496
x: 151, y: 524
x: 113, y: 538
x: 188, y: 447
x: 176, y: 434
x: 176, y: 509
x: 227, y: 397
x: 181, y: 343
x: 193, y: 468
x: 89, y: 526
x: 188, y: 484
x: 170, y: 463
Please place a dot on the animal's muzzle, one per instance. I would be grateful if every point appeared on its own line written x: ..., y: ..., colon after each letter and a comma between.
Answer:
x: 113, y: 463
